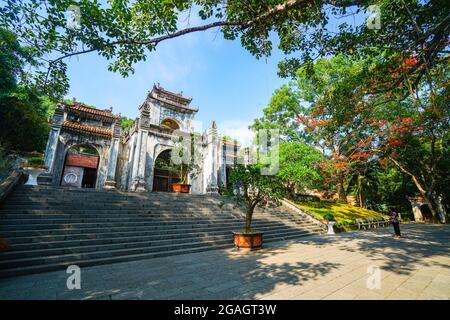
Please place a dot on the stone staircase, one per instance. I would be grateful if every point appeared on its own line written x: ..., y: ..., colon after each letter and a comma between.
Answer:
x: 51, y: 228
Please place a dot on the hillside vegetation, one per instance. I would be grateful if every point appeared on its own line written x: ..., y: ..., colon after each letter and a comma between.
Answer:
x: 345, y: 214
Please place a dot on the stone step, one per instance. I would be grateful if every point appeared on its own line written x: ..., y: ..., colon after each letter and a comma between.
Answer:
x: 15, y: 199
x: 9, y: 219
x: 17, y: 271
x: 61, y: 192
x: 50, y: 228
x: 78, y: 249
x: 92, y: 192
x: 17, y: 195
x: 108, y: 219
x: 163, y: 250
x: 24, y: 200
x: 61, y: 214
x: 17, y: 242
x: 139, y: 227
x: 124, y: 210
x: 68, y: 247
x: 131, y: 202
x: 74, y: 257
x: 9, y: 214
x: 174, y: 233
x: 39, y: 223
x: 174, y: 209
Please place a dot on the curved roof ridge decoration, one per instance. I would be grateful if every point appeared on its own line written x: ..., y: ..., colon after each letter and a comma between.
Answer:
x: 84, y: 128
x: 158, y: 87
x: 90, y: 110
x: 153, y: 96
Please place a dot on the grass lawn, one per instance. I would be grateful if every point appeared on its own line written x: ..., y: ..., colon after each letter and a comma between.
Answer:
x: 344, y: 214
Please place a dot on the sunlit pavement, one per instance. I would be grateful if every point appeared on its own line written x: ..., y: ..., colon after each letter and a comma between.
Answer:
x: 357, y: 265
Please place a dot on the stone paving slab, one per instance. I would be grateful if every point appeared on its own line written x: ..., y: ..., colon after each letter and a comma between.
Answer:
x: 317, y: 267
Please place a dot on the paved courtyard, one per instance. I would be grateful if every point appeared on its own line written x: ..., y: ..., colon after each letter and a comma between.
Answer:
x: 345, y: 266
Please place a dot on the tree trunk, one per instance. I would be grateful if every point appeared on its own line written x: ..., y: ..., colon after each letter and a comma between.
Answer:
x: 341, y: 190
x: 441, y: 209
x: 248, y: 217
x: 427, y: 194
x: 437, y: 211
x: 361, y: 200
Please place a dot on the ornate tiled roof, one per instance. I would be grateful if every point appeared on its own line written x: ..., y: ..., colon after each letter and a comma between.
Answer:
x: 160, y: 89
x: 85, y: 128
x: 92, y: 111
x: 171, y: 103
x: 170, y: 99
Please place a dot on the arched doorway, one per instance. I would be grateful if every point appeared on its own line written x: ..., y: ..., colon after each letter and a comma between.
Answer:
x: 80, y: 167
x: 426, y: 212
x: 162, y: 177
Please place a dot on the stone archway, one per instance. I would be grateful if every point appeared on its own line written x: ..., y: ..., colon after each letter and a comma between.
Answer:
x: 80, y: 168
x: 426, y: 212
x: 162, y: 177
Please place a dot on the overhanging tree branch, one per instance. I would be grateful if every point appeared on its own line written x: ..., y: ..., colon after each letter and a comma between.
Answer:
x: 270, y: 13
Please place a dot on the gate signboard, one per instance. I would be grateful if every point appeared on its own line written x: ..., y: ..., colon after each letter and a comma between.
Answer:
x: 72, y: 176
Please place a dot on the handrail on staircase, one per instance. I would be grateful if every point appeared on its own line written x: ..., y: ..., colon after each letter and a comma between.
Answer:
x: 304, y: 213
x: 15, y: 178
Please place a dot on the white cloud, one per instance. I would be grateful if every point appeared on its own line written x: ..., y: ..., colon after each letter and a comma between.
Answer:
x: 237, y: 129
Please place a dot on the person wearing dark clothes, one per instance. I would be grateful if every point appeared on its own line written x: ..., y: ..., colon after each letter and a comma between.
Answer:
x: 395, y: 223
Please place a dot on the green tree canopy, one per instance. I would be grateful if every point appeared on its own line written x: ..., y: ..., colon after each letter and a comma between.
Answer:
x: 23, y: 110
x: 123, y: 31
x: 357, y: 110
x: 298, y: 166
x: 12, y: 59
x: 248, y: 187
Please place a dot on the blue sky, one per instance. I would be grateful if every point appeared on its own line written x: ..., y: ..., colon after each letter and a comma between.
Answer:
x: 226, y: 82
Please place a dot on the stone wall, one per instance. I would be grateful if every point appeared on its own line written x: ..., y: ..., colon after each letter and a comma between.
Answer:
x: 68, y: 140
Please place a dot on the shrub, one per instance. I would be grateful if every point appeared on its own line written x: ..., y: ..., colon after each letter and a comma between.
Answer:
x: 35, y: 161
x: 306, y: 197
x: 329, y: 217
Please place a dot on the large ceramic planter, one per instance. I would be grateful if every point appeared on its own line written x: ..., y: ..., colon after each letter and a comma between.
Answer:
x: 330, y: 225
x: 33, y: 172
x: 181, y: 188
x: 248, y: 240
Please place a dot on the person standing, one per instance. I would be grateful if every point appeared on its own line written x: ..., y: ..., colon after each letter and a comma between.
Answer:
x: 395, y: 222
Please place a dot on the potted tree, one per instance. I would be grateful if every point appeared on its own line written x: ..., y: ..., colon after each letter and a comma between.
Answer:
x: 248, y: 187
x: 183, y: 171
x: 330, y: 221
x: 184, y: 163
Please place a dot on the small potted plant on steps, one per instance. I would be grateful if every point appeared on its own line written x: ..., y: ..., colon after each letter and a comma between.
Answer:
x: 34, y: 166
x: 330, y: 221
x: 248, y: 187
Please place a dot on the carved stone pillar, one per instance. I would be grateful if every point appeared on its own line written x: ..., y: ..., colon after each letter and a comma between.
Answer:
x: 51, y: 147
x: 140, y: 157
x: 211, y: 165
x: 113, y: 154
